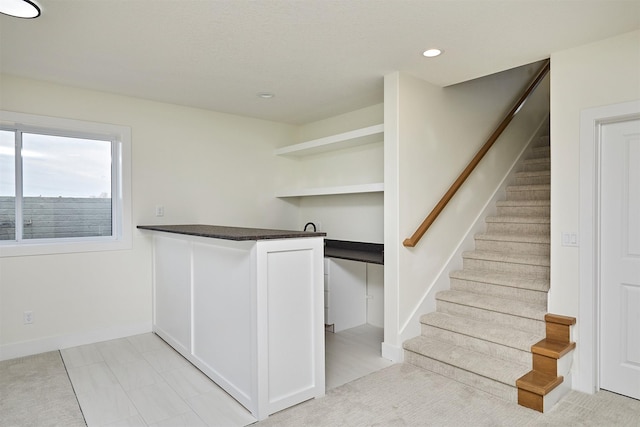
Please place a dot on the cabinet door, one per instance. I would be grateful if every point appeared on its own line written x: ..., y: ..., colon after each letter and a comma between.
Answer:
x: 172, y: 291
x: 347, y: 293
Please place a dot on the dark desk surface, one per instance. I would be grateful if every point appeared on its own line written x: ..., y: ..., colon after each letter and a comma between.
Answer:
x: 231, y: 233
x: 355, y: 251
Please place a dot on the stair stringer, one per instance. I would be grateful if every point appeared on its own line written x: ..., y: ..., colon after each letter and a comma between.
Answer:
x: 427, y: 303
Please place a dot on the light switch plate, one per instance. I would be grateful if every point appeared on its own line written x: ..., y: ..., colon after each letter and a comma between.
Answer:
x: 569, y: 239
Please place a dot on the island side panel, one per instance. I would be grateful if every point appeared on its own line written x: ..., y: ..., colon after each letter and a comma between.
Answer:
x: 291, y: 317
x: 224, y: 315
x: 172, y: 292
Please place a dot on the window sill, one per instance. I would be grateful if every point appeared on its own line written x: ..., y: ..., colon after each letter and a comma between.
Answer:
x: 10, y: 249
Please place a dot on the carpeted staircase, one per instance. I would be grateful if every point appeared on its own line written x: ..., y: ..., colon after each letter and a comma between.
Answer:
x: 484, y: 326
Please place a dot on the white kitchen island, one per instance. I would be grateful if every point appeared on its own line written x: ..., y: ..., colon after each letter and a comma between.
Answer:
x: 246, y: 307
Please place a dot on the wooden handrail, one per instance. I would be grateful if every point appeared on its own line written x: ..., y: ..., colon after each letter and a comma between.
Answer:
x: 415, y: 238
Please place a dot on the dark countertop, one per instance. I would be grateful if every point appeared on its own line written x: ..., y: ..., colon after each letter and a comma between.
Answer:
x: 231, y: 233
x: 372, y: 253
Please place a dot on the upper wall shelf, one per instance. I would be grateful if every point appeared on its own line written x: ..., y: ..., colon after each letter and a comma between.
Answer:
x: 334, y: 142
x: 377, y: 187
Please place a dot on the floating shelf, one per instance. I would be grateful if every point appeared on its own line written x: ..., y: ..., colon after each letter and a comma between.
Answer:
x: 328, y: 191
x: 352, y: 138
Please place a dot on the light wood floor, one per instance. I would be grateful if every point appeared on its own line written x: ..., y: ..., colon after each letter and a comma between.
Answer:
x: 352, y: 354
x: 141, y: 381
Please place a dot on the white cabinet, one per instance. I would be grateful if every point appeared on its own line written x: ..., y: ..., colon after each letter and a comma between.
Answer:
x: 354, y: 294
x: 354, y: 138
x: 347, y: 293
x: 249, y: 314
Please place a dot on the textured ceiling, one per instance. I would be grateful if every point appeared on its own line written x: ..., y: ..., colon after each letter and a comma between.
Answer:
x: 320, y: 57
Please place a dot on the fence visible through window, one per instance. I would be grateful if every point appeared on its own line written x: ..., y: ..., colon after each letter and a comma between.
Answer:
x: 56, y: 186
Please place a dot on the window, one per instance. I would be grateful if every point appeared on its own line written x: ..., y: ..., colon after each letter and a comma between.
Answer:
x: 63, y: 185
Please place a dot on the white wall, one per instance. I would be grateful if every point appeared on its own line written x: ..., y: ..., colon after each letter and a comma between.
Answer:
x: 204, y: 167
x: 603, y: 73
x: 431, y: 134
x: 358, y: 217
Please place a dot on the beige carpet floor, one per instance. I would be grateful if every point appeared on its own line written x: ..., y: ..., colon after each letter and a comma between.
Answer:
x: 405, y: 395
x: 36, y: 391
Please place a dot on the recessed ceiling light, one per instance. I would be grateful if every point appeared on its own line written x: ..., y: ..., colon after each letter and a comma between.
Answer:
x: 432, y: 53
x: 19, y: 8
x: 266, y: 95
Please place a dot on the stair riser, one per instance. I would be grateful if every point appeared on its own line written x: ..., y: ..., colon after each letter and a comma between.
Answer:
x: 519, y: 294
x: 540, y: 152
x: 516, y: 322
x: 512, y: 247
x: 477, y: 344
x: 541, y: 211
x: 528, y: 195
x: 488, y: 385
x: 536, y: 165
x: 518, y: 228
x: 533, y: 180
x: 537, y: 271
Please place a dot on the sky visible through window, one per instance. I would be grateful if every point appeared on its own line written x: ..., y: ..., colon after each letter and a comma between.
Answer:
x: 54, y: 166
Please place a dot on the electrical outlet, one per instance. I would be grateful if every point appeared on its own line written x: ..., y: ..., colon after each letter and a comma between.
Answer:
x: 159, y: 210
x: 27, y: 316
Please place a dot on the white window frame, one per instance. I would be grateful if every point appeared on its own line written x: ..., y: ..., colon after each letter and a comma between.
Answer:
x: 121, y: 185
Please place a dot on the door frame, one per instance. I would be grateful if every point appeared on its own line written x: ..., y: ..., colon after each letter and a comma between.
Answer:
x: 587, y: 379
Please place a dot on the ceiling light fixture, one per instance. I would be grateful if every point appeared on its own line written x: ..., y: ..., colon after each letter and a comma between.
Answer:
x: 432, y: 53
x: 265, y: 95
x: 19, y: 8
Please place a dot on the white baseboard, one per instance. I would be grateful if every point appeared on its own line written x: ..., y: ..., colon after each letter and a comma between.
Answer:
x: 42, y: 345
x: 393, y: 353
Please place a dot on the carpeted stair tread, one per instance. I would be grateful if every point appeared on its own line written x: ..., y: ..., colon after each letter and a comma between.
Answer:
x: 502, y: 279
x: 521, y: 238
x: 524, y: 174
x: 541, y: 141
x: 519, y: 219
x: 529, y: 187
x: 532, y: 177
x: 487, y: 331
x: 519, y: 203
x: 542, y: 148
x: 540, y: 160
x: 525, y: 207
x: 543, y: 163
x: 486, y: 366
x: 511, y: 242
x: 523, y: 259
x: 493, y: 304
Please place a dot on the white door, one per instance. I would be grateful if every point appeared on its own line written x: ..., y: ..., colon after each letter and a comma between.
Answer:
x: 620, y: 258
